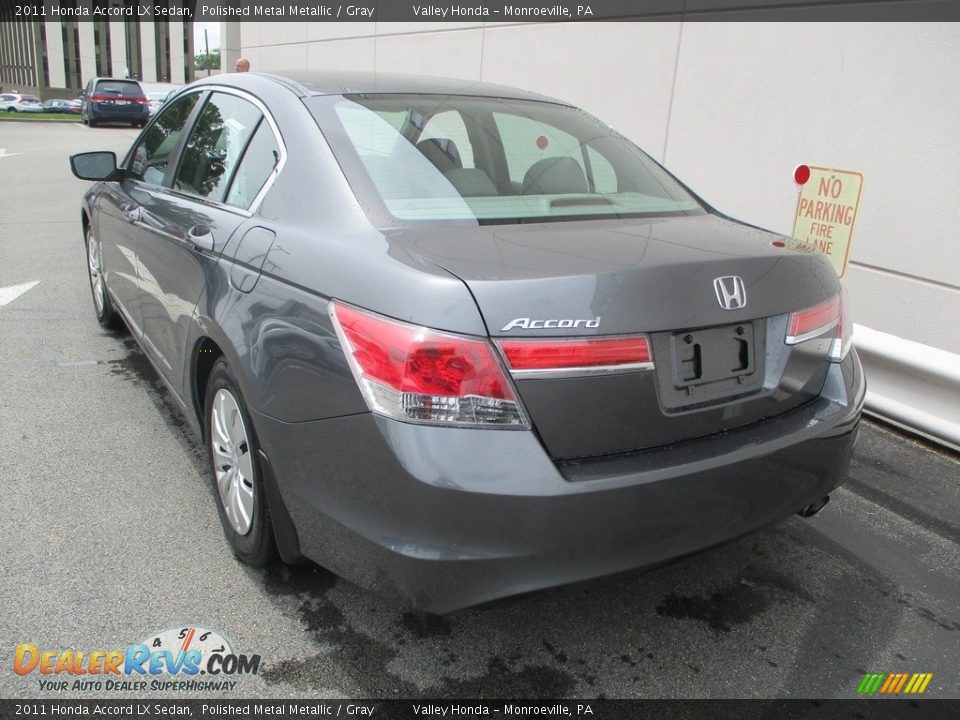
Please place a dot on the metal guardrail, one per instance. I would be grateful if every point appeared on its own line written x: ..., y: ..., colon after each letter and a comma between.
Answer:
x: 910, y: 384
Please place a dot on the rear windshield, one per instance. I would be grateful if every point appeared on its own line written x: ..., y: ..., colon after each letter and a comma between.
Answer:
x: 119, y: 88
x: 491, y: 160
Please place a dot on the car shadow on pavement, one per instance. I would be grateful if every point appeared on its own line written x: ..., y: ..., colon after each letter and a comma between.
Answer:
x: 766, y: 616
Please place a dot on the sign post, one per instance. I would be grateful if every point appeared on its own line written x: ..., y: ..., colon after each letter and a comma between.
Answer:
x: 826, y: 212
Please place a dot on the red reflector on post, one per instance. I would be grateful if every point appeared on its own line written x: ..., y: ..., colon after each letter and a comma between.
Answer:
x: 584, y: 354
x: 814, y: 321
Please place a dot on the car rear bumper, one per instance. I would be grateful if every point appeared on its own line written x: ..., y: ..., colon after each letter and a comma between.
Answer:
x: 448, y: 518
x: 101, y: 115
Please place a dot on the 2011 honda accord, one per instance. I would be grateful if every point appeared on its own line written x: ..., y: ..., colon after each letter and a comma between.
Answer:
x: 459, y: 341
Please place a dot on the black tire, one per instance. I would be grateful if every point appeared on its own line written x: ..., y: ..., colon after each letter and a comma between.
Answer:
x: 106, y: 314
x: 257, y: 546
x: 91, y: 122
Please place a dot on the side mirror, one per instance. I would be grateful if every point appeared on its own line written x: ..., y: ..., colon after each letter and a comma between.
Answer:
x: 100, y: 165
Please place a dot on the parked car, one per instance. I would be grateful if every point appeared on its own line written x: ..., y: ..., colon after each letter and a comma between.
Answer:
x: 471, y: 343
x: 114, y: 100
x: 8, y: 100
x: 15, y: 102
x: 61, y: 106
x: 156, y: 100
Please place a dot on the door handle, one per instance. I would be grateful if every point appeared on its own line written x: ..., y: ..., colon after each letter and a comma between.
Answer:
x: 201, y: 237
x: 132, y: 212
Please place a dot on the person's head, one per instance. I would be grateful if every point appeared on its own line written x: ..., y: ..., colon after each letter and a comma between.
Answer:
x: 241, y: 65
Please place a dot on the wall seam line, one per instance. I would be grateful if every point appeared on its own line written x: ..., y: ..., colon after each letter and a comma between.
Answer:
x: 673, y: 90
x: 907, y: 276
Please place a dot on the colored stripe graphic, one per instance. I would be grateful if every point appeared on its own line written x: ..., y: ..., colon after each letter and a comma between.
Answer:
x: 870, y: 683
x: 894, y: 683
x: 888, y: 683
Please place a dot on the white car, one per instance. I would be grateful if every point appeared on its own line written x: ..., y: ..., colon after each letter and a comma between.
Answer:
x: 156, y: 100
x: 8, y: 100
x: 14, y: 102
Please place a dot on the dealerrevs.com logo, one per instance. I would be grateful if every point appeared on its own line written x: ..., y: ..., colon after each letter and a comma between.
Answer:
x: 184, y: 658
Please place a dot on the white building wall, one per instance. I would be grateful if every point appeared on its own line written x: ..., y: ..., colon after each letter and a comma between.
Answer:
x: 732, y: 108
x: 88, y: 51
x: 118, y: 50
x: 177, y: 67
x: 54, y: 31
x: 148, y: 51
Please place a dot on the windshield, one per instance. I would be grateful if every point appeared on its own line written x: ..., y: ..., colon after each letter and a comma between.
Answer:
x: 119, y: 88
x: 491, y: 160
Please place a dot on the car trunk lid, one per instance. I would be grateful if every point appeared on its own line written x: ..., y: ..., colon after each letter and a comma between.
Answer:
x: 713, y: 368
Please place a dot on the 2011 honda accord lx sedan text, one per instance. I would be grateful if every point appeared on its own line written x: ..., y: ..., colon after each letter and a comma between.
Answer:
x: 459, y: 341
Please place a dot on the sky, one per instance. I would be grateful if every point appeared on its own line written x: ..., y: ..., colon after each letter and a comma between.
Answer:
x: 213, y: 33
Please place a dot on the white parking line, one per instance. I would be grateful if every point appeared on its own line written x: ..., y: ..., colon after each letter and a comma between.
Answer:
x: 5, y: 154
x: 11, y: 293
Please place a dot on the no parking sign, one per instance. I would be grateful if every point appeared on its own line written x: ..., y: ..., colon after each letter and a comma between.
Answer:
x: 827, y: 211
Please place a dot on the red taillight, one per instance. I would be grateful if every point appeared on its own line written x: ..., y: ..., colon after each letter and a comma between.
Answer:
x: 140, y: 100
x: 101, y: 98
x: 814, y: 321
x: 560, y: 356
x: 415, y: 373
x: 817, y: 320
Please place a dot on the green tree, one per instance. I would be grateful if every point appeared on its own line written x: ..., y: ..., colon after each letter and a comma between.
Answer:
x: 207, y: 61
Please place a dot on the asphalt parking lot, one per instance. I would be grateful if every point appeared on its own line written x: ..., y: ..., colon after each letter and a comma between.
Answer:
x: 109, y: 533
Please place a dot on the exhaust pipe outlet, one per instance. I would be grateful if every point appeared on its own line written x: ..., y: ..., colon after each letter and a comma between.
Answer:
x: 813, y: 508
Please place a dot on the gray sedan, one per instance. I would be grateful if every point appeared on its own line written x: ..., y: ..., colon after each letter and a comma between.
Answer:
x: 457, y: 341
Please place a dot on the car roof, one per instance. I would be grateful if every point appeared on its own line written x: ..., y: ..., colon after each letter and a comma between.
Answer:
x: 310, y: 82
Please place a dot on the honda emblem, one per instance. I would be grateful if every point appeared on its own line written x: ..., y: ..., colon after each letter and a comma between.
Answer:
x: 730, y: 292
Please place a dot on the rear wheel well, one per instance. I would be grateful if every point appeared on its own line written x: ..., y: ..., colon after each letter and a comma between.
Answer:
x: 85, y: 222
x: 206, y: 355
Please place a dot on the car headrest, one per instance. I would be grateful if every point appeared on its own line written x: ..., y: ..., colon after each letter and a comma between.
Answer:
x: 442, y: 152
x: 554, y: 176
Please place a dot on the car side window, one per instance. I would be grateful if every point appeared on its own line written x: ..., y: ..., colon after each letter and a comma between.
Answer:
x: 152, y: 154
x: 602, y: 172
x: 218, y: 138
x: 258, y: 162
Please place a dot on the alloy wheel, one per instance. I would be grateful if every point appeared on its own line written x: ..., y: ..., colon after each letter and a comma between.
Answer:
x: 233, y: 464
x: 94, y: 266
